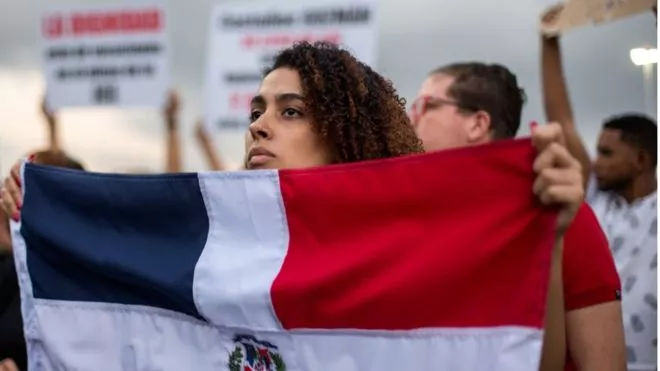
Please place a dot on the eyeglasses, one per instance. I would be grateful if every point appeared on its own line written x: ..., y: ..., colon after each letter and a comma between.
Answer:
x: 426, y: 103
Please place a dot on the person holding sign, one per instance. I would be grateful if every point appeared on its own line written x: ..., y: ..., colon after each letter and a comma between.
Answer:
x: 621, y: 188
x: 170, y: 112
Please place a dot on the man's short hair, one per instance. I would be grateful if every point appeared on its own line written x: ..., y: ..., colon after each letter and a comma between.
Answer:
x: 637, y: 130
x: 491, y: 88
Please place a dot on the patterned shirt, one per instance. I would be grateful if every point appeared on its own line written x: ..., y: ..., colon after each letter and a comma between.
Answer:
x: 632, y: 232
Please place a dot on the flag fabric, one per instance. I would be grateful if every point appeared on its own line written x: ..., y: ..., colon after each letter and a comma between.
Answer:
x: 438, y: 261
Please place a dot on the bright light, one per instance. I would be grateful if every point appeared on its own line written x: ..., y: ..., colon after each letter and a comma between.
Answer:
x: 642, y: 57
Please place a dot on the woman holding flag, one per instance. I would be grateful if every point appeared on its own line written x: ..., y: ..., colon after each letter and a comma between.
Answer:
x: 318, y: 105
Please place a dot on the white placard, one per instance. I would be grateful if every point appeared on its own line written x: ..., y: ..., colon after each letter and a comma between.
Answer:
x: 579, y: 13
x: 245, y: 36
x: 106, y: 55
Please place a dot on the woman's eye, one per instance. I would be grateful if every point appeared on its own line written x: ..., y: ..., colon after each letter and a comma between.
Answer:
x: 254, y: 115
x: 291, y: 112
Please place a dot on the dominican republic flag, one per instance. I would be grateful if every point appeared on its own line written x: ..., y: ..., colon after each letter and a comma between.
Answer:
x: 430, y: 262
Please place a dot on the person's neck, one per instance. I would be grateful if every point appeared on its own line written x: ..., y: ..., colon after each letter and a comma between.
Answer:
x: 640, y: 187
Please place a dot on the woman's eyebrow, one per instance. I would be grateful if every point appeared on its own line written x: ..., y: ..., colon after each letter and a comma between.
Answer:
x: 280, y: 98
x: 286, y: 97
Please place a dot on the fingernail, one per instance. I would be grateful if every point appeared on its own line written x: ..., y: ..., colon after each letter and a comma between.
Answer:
x: 19, y: 204
x: 533, y: 125
x: 15, y: 216
x: 31, y: 157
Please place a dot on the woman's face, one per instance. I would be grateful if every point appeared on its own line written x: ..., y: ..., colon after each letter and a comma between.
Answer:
x: 281, y: 134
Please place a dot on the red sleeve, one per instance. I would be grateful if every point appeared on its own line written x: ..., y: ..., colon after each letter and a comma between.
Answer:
x: 589, y: 273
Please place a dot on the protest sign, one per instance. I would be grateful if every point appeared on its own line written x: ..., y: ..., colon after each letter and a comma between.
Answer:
x: 245, y: 36
x: 611, y: 10
x: 577, y: 13
x: 105, y: 55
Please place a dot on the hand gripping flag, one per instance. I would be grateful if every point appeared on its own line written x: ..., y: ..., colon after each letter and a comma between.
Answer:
x: 431, y: 262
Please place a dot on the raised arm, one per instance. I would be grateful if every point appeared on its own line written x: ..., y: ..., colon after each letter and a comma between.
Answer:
x: 52, y: 127
x: 555, y: 94
x: 172, y: 144
x: 206, y: 144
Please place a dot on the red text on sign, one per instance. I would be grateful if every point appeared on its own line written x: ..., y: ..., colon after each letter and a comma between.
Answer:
x: 283, y: 40
x: 53, y: 26
x: 103, y: 23
x: 240, y: 102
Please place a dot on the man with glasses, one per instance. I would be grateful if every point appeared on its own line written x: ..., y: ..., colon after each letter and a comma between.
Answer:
x: 467, y: 104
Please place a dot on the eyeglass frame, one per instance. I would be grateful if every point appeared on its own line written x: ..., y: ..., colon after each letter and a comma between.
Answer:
x: 438, y: 102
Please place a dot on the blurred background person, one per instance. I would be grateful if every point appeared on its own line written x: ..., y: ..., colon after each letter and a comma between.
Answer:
x: 170, y: 116
x: 621, y: 184
x: 12, y: 341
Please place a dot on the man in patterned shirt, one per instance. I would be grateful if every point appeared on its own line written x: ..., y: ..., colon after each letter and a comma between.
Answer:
x: 474, y: 103
x: 624, y: 198
x: 621, y: 189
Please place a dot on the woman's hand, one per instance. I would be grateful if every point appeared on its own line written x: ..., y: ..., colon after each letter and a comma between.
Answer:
x: 12, y: 198
x: 8, y: 365
x: 559, y: 175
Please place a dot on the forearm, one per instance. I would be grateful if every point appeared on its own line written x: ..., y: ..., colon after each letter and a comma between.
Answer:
x: 53, y: 134
x: 553, y: 356
x: 173, y: 149
x: 557, y: 102
x: 555, y: 93
x: 212, y: 156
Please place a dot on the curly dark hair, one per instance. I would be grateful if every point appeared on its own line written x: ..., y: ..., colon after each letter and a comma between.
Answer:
x: 355, y: 110
x: 639, y: 131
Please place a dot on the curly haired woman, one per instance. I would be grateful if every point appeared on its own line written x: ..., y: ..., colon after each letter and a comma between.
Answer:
x: 318, y: 105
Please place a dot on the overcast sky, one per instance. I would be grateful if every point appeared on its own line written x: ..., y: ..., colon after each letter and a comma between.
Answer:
x: 415, y: 36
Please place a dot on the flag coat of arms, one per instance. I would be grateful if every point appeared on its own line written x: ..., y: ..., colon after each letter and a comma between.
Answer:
x: 439, y: 261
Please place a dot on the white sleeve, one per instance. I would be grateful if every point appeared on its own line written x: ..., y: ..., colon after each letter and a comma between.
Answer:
x: 592, y: 189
